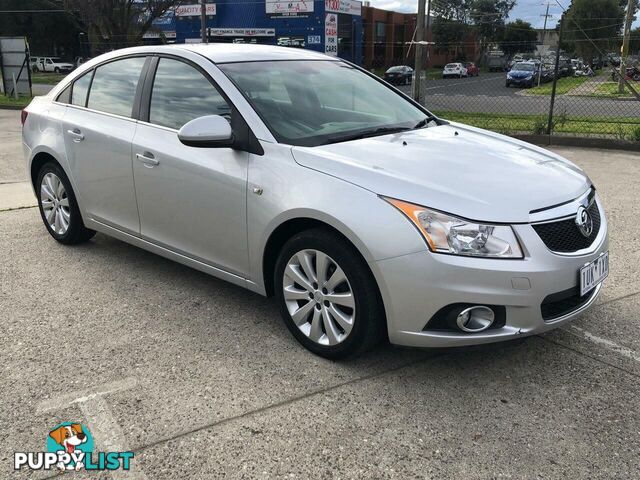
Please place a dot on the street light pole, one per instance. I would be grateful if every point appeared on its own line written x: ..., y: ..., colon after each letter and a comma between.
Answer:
x: 419, y: 56
x: 203, y: 21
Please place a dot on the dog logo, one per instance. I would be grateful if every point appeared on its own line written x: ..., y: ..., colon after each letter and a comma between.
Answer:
x: 69, y: 437
x: 70, y: 447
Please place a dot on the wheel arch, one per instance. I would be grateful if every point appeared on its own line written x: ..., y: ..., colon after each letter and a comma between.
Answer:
x: 290, y: 227
x: 38, y: 161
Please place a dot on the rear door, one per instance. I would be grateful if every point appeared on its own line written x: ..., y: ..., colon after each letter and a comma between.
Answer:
x: 191, y: 200
x: 98, y: 131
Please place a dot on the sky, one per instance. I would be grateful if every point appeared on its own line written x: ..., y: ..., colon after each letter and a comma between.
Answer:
x: 531, y: 11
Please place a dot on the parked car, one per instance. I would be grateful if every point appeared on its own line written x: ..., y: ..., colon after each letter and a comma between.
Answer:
x: 302, y: 176
x: 523, y: 74
x: 454, y: 70
x: 472, y: 69
x: 399, y: 75
x: 52, y: 64
x: 497, y: 64
x: 547, y: 73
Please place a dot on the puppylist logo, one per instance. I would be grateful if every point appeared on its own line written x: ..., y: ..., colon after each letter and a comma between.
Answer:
x: 70, y: 447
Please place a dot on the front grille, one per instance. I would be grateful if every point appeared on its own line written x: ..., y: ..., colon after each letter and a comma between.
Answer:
x: 565, y: 237
x: 561, y: 303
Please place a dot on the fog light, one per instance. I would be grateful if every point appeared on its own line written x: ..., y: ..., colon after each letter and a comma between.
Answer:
x: 475, y: 319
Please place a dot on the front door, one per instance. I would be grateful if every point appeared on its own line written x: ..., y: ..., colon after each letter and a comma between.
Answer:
x: 191, y: 200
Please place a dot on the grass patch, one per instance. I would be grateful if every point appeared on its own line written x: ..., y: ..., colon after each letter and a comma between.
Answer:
x: 12, y: 102
x: 563, y: 86
x: 610, y: 90
x: 621, y: 128
x: 47, y: 78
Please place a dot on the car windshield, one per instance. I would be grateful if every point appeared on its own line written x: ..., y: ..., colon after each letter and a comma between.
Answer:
x: 317, y: 102
x: 451, y: 65
x: 524, y: 67
x: 395, y: 69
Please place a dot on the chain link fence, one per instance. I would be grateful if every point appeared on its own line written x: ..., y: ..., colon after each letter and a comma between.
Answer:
x: 530, y: 98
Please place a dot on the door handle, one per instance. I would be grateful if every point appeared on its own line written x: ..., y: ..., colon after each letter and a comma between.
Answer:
x: 148, y: 159
x: 76, y: 134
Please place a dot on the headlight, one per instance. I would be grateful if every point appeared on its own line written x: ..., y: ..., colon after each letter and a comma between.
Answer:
x: 448, y: 234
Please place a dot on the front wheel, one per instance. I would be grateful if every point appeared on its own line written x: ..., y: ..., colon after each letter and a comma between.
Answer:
x: 56, y: 70
x: 58, y: 206
x: 328, y: 297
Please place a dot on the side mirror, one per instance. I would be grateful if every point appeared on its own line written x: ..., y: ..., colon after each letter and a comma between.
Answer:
x: 212, y: 131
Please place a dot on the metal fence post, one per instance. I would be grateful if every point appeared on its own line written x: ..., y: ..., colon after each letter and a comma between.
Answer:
x: 555, y: 83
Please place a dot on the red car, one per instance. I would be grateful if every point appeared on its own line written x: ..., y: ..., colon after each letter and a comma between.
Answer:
x: 472, y: 69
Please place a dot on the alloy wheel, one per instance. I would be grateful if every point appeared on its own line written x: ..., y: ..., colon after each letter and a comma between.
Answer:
x: 55, y: 203
x: 319, y: 298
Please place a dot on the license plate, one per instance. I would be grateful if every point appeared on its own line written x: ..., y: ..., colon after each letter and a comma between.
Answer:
x: 594, y: 273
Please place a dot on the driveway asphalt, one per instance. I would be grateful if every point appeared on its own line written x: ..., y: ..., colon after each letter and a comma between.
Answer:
x: 200, y: 379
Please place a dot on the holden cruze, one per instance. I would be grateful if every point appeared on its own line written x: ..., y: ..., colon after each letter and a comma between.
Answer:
x: 302, y: 176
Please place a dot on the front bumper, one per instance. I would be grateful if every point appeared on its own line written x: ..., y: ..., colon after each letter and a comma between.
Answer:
x: 416, y: 286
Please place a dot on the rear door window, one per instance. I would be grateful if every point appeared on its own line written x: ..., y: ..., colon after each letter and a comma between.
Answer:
x: 81, y: 89
x: 114, y: 86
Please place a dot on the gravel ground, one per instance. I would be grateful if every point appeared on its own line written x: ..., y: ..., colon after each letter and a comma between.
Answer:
x: 201, y: 379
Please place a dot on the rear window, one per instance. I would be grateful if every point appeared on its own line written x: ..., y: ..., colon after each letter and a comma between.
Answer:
x: 81, y: 89
x: 451, y: 65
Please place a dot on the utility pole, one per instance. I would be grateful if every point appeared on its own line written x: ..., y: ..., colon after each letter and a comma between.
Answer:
x: 624, y: 53
x: 203, y: 21
x: 419, y: 56
x: 544, y: 34
x: 426, y: 37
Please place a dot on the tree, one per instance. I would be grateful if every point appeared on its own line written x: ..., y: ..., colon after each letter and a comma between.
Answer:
x: 518, y: 36
x: 586, y: 33
x: 49, y: 29
x: 634, y: 43
x: 449, y: 34
x: 457, y: 10
x: 488, y: 18
x: 115, y: 24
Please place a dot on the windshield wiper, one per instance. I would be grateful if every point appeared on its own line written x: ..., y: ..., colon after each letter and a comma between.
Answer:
x: 424, y: 122
x: 369, y: 133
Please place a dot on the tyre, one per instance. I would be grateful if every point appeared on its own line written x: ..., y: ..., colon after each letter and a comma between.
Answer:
x: 507, y: 84
x: 56, y: 70
x: 327, y: 295
x: 58, y: 206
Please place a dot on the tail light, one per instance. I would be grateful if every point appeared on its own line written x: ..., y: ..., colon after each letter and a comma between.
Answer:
x: 23, y: 117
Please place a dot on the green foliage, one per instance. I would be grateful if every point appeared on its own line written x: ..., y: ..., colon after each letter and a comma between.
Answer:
x: 540, y: 125
x: 587, y: 15
x: 115, y: 24
x: 635, y: 134
x: 518, y: 36
x: 448, y: 34
x: 52, y: 33
x: 634, y: 41
x: 489, y: 17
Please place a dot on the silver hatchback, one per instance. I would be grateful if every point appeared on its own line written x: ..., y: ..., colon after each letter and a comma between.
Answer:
x: 302, y: 176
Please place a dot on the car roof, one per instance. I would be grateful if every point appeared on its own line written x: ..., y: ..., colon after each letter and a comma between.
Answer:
x: 238, y: 52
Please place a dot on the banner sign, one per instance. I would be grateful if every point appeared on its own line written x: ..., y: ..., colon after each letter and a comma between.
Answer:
x: 331, y: 34
x: 242, y: 32
x: 194, y: 10
x: 294, y: 8
x: 350, y: 7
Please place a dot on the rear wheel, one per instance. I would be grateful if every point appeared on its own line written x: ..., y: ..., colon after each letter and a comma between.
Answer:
x: 56, y: 70
x: 327, y: 295
x: 58, y: 206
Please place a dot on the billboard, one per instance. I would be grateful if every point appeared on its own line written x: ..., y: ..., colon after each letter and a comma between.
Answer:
x: 350, y: 7
x: 296, y: 8
x: 194, y: 10
x: 331, y: 34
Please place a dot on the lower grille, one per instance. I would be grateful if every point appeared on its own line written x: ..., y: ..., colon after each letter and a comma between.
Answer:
x: 565, y: 237
x: 558, y: 304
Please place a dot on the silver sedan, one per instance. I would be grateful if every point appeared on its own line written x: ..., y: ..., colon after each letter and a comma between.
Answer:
x: 302, y: 176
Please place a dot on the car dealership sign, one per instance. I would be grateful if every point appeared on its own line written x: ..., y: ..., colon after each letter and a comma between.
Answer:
x: 296, y: 8
x: 194, y: 10
x: 331, y: 34
x: 350, y: 7
x: 242, y: 32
